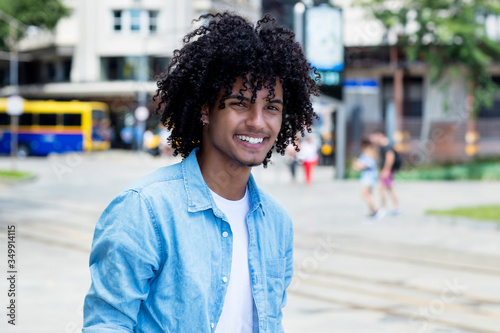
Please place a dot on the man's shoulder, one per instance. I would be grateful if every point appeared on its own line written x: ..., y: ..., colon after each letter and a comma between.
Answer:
x: 160, y: 178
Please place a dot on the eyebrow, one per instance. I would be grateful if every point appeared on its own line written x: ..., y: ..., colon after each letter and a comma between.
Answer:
x: 243, y: 98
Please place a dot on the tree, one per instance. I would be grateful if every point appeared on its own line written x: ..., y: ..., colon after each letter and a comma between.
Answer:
x: 42, y: 14
x: 447, y: 35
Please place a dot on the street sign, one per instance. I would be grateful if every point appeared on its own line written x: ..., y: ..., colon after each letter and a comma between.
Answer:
x: 141, y: 113
x: 15, y: 105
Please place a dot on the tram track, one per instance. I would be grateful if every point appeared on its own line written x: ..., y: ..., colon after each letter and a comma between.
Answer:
x: 328, y: 282
x: 392, y: 251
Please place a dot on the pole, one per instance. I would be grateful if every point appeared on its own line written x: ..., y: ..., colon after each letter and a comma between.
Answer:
x: 14, y: 127
x: 340, y: 143
x: 298, y: 22
x: 14, y: 82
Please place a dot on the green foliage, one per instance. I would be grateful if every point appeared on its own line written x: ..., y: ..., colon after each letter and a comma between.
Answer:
x: 490, y: 213
x: 477, y: 170
x: 445, y: 33
x: 15, y: 175
x: 42, y: 14
x: 487, y: 169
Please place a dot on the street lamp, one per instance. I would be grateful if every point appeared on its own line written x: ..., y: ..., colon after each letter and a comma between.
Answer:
x: 14, y: 102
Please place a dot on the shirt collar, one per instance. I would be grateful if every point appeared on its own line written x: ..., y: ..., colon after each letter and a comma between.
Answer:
x: 198, y: 193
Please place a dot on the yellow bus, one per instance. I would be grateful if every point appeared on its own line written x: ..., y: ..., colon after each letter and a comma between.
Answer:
x: 56, y: 127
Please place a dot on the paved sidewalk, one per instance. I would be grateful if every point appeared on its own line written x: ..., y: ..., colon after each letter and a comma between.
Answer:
x: 408, y: 273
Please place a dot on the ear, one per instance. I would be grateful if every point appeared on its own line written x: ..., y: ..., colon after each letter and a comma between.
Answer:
x: 204, y: 114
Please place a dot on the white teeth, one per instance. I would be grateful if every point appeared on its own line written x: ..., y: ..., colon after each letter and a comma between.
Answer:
x: 249, y: 139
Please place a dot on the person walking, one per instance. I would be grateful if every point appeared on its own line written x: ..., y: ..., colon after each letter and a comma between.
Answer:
x: 367, y: 165
x: 389, y: 164
x: 197, y: 246
x: 292, y: 160
x: 308, y: 155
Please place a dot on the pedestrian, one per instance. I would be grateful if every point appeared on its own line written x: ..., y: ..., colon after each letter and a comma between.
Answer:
x: 308, y: 156
x: 367, y: 165
x: 390, y: 162
x: 197, y: 246
x: 292, y: 160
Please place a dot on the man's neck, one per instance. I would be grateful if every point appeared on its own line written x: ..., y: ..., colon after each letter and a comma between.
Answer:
x: 228, y: 181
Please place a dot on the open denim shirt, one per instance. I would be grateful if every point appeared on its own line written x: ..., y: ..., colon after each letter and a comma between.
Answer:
x: 162, y: 251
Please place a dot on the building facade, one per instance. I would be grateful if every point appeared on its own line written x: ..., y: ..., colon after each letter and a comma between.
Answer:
x: 109, y: 50
x: 429, y: 120
x: 431, y: 123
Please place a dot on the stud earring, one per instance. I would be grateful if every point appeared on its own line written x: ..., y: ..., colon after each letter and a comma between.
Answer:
x: 203, y: 122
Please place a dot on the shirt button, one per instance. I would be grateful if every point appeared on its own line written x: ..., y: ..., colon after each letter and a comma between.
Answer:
x: 224, y: 279
x: 224, y: 234
x: 212, y: 325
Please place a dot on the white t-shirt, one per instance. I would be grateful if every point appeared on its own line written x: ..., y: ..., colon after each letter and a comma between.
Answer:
x: 237, y: 311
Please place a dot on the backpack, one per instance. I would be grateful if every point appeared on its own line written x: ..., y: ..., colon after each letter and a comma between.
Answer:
x: 398, y: 161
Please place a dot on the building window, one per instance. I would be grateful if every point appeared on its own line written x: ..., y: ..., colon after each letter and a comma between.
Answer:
x: 158, y: 64
x: 129, y: 68
x: 153, y: 21
x: 117, y: 20
x: 66, y: 70
x: 135, y: 20
x: 413, y: 95
x: 120, y: 68
x: 111, y: 67
x: 51, y: 72
x: 494, y: 111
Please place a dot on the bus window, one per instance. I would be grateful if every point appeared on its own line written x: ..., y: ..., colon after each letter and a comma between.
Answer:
x: 4, y: 119
x: 26, y: 119
x: 98, y: 115
x: 72, y: 119
x: 47, y: 119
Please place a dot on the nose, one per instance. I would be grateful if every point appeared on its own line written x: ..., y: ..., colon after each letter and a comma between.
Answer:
x: 255, y: 117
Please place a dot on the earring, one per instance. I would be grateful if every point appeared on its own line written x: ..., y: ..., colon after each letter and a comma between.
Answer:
x: 203, y: 122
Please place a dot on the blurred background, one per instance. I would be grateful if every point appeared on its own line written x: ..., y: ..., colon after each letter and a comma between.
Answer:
x: 77, y: 125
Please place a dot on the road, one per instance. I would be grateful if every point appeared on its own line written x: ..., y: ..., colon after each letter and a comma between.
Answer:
x: 407, y: 273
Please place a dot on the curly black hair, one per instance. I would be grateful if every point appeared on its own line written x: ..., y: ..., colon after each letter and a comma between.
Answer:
x: 223, y: 48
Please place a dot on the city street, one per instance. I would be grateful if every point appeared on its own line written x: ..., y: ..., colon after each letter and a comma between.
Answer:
x: 402, y: 274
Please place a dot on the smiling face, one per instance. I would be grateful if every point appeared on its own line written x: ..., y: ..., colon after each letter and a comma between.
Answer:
x: 242, y: 133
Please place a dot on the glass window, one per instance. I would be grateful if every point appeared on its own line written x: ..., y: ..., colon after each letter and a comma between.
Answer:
x: 4, y: 119
x: 51, y: 72
x: 120, y: 68
x: 153, y: 21
x: 98, y: 115
x: 131, y: 67
x: 67, y: 70
x: 26, y: 119
x: 47, y: 119
x: 72, y: 119
x: 111, y: 68
x: 135, y: 20
x: 117, y: 20
x: 158, y: 64
x: 494, y: 110
x: 412, y: 96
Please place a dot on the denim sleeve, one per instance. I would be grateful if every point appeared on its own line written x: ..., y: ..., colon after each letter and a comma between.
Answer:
x: 125, y: 256
x: 288, y: 272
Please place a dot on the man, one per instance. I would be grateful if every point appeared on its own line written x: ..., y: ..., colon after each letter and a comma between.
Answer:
x: 197, y: 247
x: 388, y: 167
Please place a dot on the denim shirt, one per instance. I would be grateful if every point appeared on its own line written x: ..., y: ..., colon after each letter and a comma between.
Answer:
x: 161, y: 257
